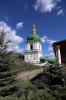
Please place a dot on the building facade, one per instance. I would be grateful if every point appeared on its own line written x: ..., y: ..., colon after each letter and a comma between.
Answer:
x: 33, y: 48
x: 60, y: 51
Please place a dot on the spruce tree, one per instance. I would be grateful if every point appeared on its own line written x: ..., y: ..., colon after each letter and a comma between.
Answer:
x: 55, y: 74
x: 8, y: 82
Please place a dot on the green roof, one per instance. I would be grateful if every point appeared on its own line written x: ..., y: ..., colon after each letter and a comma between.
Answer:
x: 33, y: 37
x: 43, y: 59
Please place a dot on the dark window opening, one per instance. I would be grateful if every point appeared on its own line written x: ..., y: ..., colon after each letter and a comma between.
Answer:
x: 31, y: 47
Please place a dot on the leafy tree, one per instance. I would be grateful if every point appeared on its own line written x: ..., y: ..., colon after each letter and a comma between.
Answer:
x: 8, y: 80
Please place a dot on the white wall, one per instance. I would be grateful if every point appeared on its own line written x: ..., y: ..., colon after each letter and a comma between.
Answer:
x: 34, y: 55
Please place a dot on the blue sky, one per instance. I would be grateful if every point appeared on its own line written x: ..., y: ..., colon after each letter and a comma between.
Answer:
x: 17, y: 17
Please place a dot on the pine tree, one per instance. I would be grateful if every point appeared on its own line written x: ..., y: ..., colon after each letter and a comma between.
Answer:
x: 8, y: 84
x: 56, y: 74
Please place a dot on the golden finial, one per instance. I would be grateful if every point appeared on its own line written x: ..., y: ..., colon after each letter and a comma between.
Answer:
x: 33, y: 31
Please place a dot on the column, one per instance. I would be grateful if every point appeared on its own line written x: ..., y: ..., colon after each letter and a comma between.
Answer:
x: 59, y: 54
x: 56, y: 54
x: 28, y: 46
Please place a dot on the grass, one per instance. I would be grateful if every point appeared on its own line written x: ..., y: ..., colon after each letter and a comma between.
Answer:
x: 23, y: 66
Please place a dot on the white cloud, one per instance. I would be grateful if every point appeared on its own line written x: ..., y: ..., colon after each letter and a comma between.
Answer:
x: 11, y: 35
x: 50, y: 44
x: 43, y: 39
x: 58, y: 0
x: 59, y: 7
x: 50, y: 41
x: 45, y: 5
x: 19, y: 25
x: 6, y: 17
x: 50, y: 55
x: 60, y: 12
x: 50, y: 48
x: 25, y: 5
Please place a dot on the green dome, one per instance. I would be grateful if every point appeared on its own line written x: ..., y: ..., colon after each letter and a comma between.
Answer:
x: 33, y: 37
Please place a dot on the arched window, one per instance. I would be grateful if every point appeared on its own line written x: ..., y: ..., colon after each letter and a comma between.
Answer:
x: 31, y: 47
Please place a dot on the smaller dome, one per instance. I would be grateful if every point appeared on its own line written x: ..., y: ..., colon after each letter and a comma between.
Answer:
x: 33, y: 37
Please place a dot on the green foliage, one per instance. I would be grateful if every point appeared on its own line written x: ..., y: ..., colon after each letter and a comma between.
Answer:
x: 57, y: 80
x: 13, y: 89
x: 56, y: 73
x: 31, y: 92
x: 55, y: 88
x: 7, y: 77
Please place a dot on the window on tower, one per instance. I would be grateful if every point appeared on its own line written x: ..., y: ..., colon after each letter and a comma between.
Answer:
x: 31, y: 47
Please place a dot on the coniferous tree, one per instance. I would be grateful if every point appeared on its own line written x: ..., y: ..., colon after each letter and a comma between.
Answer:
x: 8, y: 84
x: 56, y: 74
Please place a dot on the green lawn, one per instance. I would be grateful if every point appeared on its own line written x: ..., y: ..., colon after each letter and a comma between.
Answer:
x: 22, y: 66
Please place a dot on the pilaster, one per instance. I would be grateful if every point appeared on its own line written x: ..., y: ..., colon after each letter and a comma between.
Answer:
x: 59, y: 54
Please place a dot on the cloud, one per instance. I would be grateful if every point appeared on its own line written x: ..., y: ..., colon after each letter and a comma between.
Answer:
x: 43, y: 39
x: 50, y: 55
x: 25, y: 5
x: 45, y: 5
x: 60, y: 12
x: 59, y: 7
x: 47, y: 40
x: 50, y: 48
x: 19, y: 25
x: 6, y: 17
x: 11, y: 35
x: 50, y: 41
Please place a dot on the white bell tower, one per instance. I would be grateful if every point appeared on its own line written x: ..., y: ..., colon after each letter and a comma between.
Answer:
x: 33, y: 49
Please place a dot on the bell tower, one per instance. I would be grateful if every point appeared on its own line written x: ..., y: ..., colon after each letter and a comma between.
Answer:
x: 33, y: 49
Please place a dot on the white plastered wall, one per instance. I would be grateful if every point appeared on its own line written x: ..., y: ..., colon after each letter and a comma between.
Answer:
x: 33, y: 55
